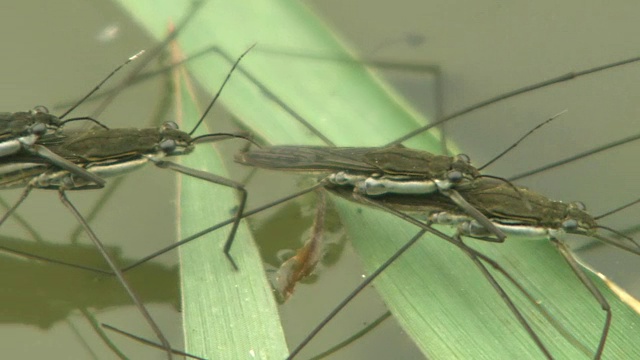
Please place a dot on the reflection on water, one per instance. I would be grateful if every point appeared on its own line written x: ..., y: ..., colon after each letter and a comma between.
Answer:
x: 57, y: 294
x: 51, y: 297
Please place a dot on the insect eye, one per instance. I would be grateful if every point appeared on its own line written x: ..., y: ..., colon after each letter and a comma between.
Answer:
x: 40, y: 109
x: 170, y: 125
x: 454, y: 176
x: 570, y: 225
x: 579, y: 205
x: 168, y: 146
x: 463, y: 157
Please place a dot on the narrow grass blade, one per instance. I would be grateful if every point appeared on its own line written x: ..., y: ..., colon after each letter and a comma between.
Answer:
x: 227, y: 313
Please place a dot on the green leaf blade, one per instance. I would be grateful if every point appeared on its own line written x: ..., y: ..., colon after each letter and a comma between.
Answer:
x: 225, y: 311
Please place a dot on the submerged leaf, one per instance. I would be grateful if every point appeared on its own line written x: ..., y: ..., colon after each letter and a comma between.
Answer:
x: 304, y: 262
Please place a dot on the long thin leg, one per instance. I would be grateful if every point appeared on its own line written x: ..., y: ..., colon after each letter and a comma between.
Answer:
x: 496, y: 266
x: 105, y: 195
x: 165, y: 249
x: 563, y: 250
x: 53, y: 261
x: 96, y: 327
x: 23, y: 222
x: 575, y: 267
x: 575, y: 157
x: 525, y: 89
x: 151, y: 54
x: 148, y: 342
x: 353, y: 294
x: 12, y: 209
x: 509, y: 303
x: 473, y: 255
x: 353, y: 338
x: 117, y: 272
x: 65, y: 164
x: 218, y: 226
x: 221, y: 181
x: 562, y: 330
x: 474, y: 213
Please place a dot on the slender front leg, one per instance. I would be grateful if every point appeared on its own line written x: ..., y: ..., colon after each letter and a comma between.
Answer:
x: 216, y: 180
x: 117, y: 272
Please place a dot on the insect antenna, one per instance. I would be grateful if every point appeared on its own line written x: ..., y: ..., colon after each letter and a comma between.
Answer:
x: 217, y: 95
x: 512, y: 146
x: 562, y: 78
x: 195, y: 6
x: 96, y: 88
x: 575, y: 157
x: 618, y: 209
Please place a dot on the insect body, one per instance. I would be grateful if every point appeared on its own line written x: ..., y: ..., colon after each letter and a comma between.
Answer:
x: 372, y: 171
x: 545, y: 219
x: 377, y: 171
x: 20, y: 132
x: 24, y: 128
x: 503, y: 206
x: 105, y: 153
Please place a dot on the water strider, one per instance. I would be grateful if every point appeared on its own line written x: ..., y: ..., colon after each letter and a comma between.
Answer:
x: 377, y: 171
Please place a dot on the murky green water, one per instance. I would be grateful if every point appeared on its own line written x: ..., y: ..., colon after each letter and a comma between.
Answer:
x: 52, y: 54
